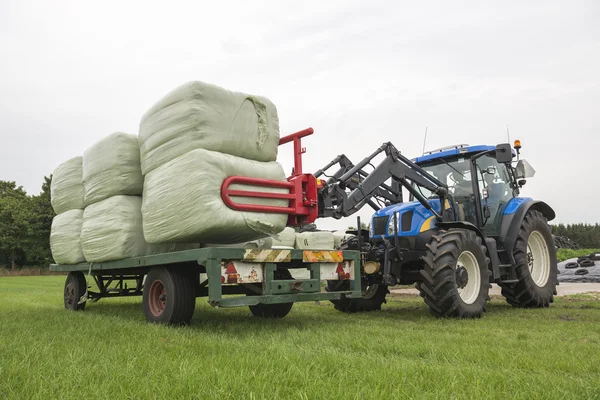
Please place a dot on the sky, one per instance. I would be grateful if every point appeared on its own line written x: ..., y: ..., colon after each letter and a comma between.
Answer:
x: 360, y: 73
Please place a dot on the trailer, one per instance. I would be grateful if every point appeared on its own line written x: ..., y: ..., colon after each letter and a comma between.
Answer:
x: 169, y: 283
x: 265, y: 280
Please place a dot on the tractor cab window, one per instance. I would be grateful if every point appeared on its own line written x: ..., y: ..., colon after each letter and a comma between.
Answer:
x: 456, y: 174
x: 494, y: 190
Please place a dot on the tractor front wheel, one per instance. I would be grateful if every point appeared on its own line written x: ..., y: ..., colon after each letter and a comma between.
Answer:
x: 372, y: 297
x: 455, y: 275
x: 536, y: 265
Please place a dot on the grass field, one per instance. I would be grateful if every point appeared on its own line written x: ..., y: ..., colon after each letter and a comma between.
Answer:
x: 109, y: 351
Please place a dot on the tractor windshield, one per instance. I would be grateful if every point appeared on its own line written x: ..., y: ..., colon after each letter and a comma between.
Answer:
x: 456, y: 174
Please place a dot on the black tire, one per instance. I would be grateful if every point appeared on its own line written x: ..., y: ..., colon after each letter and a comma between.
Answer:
x: 571, y: 265
x: 277, y: 310
x: 586, y: 263
x: 75, y: 287
x: 582, y: 272
x: 526, y: 293
x: 443, y: 279
x: 373, y: 296
x: 175, y: 305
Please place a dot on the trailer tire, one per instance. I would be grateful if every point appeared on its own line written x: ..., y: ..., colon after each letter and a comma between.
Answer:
x: 455, y: 275
x: 372, y: 297
x: 278, y: 310
x: 535, y: 288
x: 75, y: 287
x: 169, y: 296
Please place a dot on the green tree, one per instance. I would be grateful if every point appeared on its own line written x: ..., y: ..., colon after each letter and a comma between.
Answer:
x: 41, y: 222
x: 15, y: 217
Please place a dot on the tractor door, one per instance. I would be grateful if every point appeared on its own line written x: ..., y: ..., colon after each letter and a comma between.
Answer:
x: 495, y: 192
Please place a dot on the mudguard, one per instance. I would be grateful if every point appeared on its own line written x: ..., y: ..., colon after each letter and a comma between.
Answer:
x: 512, y: 220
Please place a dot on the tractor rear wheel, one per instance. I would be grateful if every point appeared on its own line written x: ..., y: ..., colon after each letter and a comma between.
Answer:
x: 536, y: 265
x: 455, y: 275
x: 373, y: 296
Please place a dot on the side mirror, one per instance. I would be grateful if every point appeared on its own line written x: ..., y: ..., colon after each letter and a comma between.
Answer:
x: 524, y: 170
x: 504, y: 153
x: 491, y: 170
x: 522, y: 182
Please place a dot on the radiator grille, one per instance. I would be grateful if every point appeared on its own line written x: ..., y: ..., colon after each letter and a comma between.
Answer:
x: 380, y: 225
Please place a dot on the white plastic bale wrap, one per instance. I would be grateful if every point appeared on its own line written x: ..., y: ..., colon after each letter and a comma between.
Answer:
x: 182, y: 200
x: 285, y: 238
x: 319, y: 240
x: 66, y: 188
x: 198, y: 115
x: 111, y: 167
x: 265, y: 243
x: 339, y: 237
x: 65, y: 237
x: 112, y: 230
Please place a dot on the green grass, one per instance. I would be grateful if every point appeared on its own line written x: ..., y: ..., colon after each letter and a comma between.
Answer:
x: 109, y: 351
x: 566, y: 254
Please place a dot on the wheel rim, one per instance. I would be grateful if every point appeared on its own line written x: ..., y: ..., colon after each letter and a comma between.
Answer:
x: 369, y: 291
x: 467, y: 264
x: 538, y: 259
x: 157, y: 298
x: 69, y: 294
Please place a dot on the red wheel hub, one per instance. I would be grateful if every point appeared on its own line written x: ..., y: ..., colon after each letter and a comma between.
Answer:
x: 157, y: 298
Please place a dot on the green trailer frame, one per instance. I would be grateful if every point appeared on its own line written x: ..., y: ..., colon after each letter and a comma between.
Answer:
x: 170, y: 282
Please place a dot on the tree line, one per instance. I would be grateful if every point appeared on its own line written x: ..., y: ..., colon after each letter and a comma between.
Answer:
x: 585, y: 235
x: 25, y: 222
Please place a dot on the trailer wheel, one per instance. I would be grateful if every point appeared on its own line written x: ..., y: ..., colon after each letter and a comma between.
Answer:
x: 455, y: 275
x: 536, y: 265
x: 169, y: 296
x: 277, y: 310
x: 372, y: 297
x: 75, y: 287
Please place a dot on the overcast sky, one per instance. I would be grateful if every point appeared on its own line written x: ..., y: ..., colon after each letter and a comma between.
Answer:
x: 359, y: 72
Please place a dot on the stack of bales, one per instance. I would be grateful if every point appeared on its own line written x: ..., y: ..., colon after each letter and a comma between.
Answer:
x: 113, y: 184
x: 66, y: 194
x: 160, y: 191
x: 190, y: 141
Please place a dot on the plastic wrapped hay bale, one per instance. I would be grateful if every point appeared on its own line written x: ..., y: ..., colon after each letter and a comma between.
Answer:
x: 198, y: 115
x: 112, y: 230
x: 182, y: 200
x: 319, y: 240
x: 65, y: 234
x: 66, y: 188
x: 111, y: 167
x: 285, y: 238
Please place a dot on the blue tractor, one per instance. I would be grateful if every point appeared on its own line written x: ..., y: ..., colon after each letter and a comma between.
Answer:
x: 463, y: 227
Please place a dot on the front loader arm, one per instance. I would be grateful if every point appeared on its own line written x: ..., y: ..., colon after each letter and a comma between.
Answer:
x: 335, y: 201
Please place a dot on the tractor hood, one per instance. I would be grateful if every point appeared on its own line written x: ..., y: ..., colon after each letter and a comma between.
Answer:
x: 412, y: 219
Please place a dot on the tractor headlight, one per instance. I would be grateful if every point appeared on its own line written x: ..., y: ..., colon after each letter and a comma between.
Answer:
x: 390, y: 227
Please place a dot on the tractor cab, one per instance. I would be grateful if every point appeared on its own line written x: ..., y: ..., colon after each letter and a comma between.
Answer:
x: 480, y: 187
